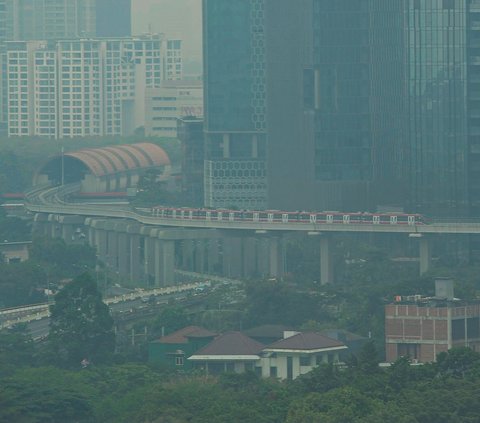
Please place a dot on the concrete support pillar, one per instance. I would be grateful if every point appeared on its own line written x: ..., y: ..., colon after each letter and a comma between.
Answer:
x: 277, y: 258
x: 112, y: 250
x: 102, y: 240
x: 213, y: 256
x: 425, y: 255
x: 263, y: 257
x: 326, y: 260
x: 135, y: 272
x: 249, y: 257
x: 232, y: 257
x: 149, y: 257
x: 164, y: 262
x: 199, y: 260
x: 188, y: 255
x: 123, y: 254
x: 91, y: 237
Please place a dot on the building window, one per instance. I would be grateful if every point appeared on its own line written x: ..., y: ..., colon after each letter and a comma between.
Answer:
x: 179, y: 361
x: 305, y: 360
x: 273, y: 371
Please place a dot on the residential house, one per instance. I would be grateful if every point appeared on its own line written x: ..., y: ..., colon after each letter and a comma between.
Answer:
x: 299, y: 353
x: 230, y: 352
x: 172, y: 350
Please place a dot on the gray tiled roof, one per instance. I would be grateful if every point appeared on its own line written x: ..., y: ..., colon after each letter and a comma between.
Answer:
x: 232, y: 343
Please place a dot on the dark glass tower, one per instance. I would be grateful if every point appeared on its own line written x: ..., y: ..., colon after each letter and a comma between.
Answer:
x: 335, y: 108
x: 437, y: 90
x: 235, y: 121
x: 359, y: 104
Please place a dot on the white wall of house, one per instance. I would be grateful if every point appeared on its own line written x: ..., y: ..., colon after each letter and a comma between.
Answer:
x: 279, y: 361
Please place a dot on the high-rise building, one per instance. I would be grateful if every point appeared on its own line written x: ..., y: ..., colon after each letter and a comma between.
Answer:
x: 235, y: 103
x: 173, y: 100
x: 190, y: 134
x: 348, y: 105
x: 77, y: 88
x: 50, y: 19
x: 113, y: 18
x: 300, y: 90
x: 442, y: 77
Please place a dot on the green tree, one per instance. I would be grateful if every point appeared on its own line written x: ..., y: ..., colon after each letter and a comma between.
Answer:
x: 151, y: 190
x: 45, y: 395
x: 21, y: 283
x: 457, y: 362
x: 80, y: 324
x: 170, y: 319
x: 62, y: 260
x: 16, y: 350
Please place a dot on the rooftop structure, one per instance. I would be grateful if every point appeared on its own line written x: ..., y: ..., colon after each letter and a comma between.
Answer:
x: 422, y: 327
x: 103, y: 169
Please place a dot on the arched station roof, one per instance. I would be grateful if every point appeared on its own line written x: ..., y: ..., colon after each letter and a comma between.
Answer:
x: 109, y: 160
x: 117, y: 159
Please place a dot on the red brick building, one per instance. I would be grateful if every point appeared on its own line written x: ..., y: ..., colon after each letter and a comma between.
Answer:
x: 421, y: 327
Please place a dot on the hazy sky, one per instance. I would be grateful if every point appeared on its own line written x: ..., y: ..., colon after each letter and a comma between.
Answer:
x: 175, y: 18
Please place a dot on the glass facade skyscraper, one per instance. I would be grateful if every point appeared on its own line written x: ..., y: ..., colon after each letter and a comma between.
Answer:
x: 437, y: 104
x: 368, y: 103
x: 235, y: 122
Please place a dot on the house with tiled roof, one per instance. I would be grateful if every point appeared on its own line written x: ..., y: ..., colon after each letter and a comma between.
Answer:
x: 229, y: 352
x: 267, y: 334
x: 298, y: 353
x: 173, y: 350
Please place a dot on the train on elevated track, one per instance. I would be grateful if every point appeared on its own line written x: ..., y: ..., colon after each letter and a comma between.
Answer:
x: 276, y: 216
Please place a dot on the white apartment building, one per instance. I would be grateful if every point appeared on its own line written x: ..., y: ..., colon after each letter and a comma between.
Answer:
x: 80, y: 88
x: 174, y: 63
x: 173, y: 100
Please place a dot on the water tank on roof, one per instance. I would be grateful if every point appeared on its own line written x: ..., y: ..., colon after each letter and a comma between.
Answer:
x: 444, y: 288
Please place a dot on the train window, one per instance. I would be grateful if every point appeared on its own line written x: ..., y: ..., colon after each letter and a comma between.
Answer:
x: 376, y: 220
x: 411, y: 220
x: 329, y: 218
x: 313, y: 218
x: 346, y: 219
x: 393, y: 220
x: 285, y: 218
